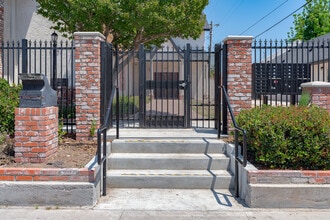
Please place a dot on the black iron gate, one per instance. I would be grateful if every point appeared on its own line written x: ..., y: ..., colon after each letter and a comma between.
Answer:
x: 107, y: 77
x: 167, y: 87
x: 164, y: 88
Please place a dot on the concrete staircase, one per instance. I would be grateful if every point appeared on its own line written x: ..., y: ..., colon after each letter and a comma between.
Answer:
x: 175, y: 159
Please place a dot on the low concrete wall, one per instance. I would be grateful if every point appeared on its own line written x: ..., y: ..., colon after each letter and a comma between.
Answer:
x: 50, y: 186
x: 47, y: 193
x: 288, y: 196
x: 281, y: 188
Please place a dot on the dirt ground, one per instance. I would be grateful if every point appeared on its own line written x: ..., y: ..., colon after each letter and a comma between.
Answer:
x: 70, y: 154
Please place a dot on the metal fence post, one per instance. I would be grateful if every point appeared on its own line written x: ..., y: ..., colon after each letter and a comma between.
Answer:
x: 187, y: 87
x: 24, y: 56
x: 217, y: 84
x: 142, y: 92
x: 54, y: 65
x: 225, y: 84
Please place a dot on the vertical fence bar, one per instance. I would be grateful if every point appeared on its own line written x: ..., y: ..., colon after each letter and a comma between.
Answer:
x: 24, y: 56
x: 142, y: 91
x: 187, y: 86
x: 225, y: 84
x: 217, y: 83
x: 103, y: 73
x: 181, y: 79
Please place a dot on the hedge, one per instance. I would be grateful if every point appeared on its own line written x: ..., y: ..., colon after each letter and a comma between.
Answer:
x: 288, y: 137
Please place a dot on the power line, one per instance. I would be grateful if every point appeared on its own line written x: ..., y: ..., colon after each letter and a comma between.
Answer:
x: 232, y: 10
x: 263, y: 17
x: 283, y: 19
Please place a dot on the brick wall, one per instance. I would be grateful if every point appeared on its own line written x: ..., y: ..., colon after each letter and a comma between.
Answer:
x: 47, y: 174
x: 239, y: 71
x: 88, y: 82
x: 288, y: 177
x: 319, y: 92
x: 36, y: 134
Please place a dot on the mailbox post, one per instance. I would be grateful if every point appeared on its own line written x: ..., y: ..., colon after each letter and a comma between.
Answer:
x: 36, y: 92
x: 36, y: 120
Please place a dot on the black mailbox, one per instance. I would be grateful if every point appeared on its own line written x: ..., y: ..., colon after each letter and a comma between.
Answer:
x: 36, y: 92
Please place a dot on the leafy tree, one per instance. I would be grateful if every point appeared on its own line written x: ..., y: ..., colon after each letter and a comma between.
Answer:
x: 314, y: 21
x: 127, y: 23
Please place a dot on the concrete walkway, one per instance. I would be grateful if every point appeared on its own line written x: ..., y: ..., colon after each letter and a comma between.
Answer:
x: 164, y: 204
x: 145, y: 204
x: 54, y: 213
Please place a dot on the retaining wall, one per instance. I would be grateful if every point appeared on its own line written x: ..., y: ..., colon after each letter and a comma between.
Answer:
x: 50, y: 186
x: 282, y: 188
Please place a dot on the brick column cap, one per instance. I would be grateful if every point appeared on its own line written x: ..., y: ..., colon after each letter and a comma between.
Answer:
x: 91, y: 34
x: 316, y: 84
x: 237, y: 37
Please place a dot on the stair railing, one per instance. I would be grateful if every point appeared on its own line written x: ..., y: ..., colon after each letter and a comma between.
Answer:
x: 102, y: 138
x: 240, y: 154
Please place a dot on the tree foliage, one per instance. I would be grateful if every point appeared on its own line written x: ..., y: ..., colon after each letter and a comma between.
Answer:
x: 314, y: 21
x: 127, y: 23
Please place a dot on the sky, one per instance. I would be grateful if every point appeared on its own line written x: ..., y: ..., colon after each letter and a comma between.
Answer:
x: 235, y: 17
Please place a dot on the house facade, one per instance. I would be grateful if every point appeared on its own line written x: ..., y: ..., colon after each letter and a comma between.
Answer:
x: 21, y: 21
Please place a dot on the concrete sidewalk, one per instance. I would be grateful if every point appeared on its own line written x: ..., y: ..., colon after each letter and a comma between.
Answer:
x: 51, y: 213
x: 162, y: 204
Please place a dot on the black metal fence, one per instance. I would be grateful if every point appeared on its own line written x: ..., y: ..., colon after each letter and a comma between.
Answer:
x: 53, y: 59
x: 280, y: 67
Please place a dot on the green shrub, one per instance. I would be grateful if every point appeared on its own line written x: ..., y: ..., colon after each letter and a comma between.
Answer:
x: 305, y: 99
x: 9, y: 100
x: 127, y: 105
x: 288, y: 137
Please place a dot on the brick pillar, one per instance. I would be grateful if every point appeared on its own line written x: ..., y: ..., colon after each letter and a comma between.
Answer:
x: 88, y: 82
x: 319, y: 92
x: 239, y: 72
x: 36, y: 134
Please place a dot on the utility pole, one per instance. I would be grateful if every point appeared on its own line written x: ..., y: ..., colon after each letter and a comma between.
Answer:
x: 210, y: 46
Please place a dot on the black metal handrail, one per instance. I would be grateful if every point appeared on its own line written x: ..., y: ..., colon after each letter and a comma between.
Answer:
x: 242, y: 159
x: 102, y: 140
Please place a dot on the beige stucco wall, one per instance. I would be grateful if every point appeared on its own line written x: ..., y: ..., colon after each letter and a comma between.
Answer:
x: 201, y: 84
x: 21, y: 21
x: 320, y: 71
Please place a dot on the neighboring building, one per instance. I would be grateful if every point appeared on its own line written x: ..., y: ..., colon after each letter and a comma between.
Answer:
x: 21, y: 21
x: 314, y: 53
x: 1, y: 20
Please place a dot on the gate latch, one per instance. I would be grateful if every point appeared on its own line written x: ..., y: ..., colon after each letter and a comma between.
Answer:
x: 183, y: 85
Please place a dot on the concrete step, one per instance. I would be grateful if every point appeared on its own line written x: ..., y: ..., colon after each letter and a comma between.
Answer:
x: 184, y: 145
x: 173, y: 133
x: 170, y: 179
x: 168, y: 161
